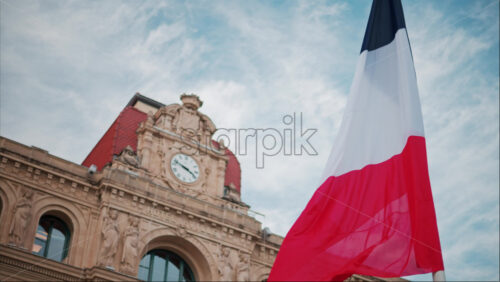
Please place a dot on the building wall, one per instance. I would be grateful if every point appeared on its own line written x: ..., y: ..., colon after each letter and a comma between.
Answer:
x: 161, y: 217
x: 137, y: 198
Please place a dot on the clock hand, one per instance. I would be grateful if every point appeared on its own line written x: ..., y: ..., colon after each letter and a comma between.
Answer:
x: 187, y: 169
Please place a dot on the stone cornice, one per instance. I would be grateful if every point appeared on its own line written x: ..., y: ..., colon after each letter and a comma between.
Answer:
x: 42, y: 157
x: 267, y: 246
x: 24, y: 261
x: 24, y: 265
x: 32, y: 167
x: 41, y: 177
x: 53, y: 193
x: 260, y: 262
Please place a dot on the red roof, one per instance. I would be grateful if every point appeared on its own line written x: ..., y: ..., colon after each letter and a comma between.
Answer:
x: 119, y: 135
x: 123, y: 132
x: 233, y: 169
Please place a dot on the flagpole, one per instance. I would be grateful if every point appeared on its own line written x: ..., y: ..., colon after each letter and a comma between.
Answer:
x: 438, y: 276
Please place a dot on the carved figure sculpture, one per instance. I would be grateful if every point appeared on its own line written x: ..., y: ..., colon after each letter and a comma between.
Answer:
x: 130, y: 244
x: 22, y: 215
x: 128, y: 156
x: 110, y: 235
x: 226, y: 270
x: 242, y: 269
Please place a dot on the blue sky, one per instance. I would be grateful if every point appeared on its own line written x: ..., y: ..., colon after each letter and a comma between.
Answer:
x: 68, y: 68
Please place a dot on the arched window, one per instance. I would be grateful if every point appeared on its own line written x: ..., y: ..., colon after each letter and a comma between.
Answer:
x: 162, y: 265
x: 52, y: 238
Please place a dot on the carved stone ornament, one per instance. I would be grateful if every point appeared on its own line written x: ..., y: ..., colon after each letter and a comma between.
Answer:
x: 149, y: 120
x: 128, y: 156
x: 232, y: 194
x: 22, y: 216
x: 191, y: 101
x: 181, y: 230
x: 110, y: 236
x: 130, y: 246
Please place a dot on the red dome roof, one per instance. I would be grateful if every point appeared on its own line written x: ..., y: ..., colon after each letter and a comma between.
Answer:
x: 233, y: 169
x: 120, y: 134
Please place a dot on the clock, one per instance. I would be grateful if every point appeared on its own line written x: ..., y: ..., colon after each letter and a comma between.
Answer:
x: 185, y: 168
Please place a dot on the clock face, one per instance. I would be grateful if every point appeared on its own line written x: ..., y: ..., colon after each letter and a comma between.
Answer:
x: 185, y: 168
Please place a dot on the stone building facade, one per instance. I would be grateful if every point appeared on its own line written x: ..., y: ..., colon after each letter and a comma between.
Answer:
x: 156, y: 199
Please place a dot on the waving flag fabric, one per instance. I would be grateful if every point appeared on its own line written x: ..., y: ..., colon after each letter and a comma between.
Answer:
x: 373, y: 213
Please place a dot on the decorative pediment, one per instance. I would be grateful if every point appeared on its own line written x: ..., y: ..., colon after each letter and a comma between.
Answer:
x: 185, y: 120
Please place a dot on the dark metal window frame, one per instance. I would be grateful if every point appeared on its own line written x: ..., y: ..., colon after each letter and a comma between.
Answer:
x: 67, y: 234
x: 168, y: 256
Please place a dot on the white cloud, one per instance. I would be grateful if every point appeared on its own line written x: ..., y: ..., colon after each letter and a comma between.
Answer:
x: 68, y: 68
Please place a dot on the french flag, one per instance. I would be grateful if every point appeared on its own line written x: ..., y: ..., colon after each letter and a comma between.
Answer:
x: 373, y: 213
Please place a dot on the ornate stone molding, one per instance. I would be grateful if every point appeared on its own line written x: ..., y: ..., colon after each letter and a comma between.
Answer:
x: 37, y: 176
x: 196, y: 222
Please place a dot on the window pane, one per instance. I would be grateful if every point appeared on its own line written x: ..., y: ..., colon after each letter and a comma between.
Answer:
x: 143, y: 273
x: 144, y: 268
x: 162, y: 265
x: 56, y: 245
x: 158, y: 269
x: 145, y: 261
x: 51, y: 238
x: 40, y: 241
x: 173, y: 269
